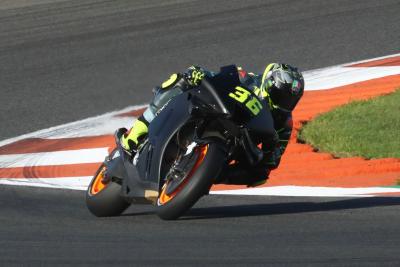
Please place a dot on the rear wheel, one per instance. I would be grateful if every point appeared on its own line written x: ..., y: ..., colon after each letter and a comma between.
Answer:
x: 190, y: 180
x: 103, y: 199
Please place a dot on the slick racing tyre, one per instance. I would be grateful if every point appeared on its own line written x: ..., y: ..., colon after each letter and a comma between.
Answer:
x: 198, y: 176
x: 103, y: 199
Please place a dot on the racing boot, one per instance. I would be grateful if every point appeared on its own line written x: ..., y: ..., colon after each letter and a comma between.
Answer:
x: 272, y: 158
x: 131, y: 140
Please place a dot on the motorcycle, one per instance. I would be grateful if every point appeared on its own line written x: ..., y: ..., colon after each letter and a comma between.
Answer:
x: 192, y: 139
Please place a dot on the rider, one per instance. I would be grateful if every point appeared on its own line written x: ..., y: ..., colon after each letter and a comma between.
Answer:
x: 280, y: 85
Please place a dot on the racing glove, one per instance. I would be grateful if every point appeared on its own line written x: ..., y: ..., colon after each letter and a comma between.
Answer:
x: 194, y: 75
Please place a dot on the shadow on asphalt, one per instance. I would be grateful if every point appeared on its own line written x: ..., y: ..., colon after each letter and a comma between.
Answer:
x: 288, y: 208
x: 133, y: 213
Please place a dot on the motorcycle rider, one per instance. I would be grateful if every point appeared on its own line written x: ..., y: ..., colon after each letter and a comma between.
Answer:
x: 280, y: 85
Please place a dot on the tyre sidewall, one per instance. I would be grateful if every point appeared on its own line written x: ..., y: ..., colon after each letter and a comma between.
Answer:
x: 107, y: 202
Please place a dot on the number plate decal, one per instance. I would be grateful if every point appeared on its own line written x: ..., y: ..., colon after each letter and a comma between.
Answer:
x: 243, y: 96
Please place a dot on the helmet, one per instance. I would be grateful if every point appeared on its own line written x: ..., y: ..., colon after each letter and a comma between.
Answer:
x: 284, y: 84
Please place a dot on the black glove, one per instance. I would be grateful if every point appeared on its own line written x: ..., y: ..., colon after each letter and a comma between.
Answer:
x: 194, y: 75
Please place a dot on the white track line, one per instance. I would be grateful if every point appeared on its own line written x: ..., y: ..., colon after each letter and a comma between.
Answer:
x: 340, y: 76
x: 78, y: 126
x: 92, y: 155
x: 309, y: 191
x: 371, y: 59
x: 75, y: 183
x: 81, y: 183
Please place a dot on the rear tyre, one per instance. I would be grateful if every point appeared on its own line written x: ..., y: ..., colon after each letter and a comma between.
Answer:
x: 104, y: 199
x: 171, y: 206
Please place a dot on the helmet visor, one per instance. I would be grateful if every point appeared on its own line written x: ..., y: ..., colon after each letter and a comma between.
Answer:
x: 286, y: 96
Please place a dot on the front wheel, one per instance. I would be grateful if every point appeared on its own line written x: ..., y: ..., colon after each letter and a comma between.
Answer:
x: 104, y: 199
x: 198, y: 175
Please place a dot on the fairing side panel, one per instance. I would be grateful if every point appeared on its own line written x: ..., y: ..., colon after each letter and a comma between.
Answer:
x: 171, y: 117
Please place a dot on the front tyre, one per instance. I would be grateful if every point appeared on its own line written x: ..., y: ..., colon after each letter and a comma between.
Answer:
x: 103, y: 199
x: 208, y: 162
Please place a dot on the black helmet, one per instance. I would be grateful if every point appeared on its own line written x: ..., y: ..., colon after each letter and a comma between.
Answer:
x: 284, y: 85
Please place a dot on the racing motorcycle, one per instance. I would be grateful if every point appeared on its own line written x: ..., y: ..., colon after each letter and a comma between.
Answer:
x: 193, y: 137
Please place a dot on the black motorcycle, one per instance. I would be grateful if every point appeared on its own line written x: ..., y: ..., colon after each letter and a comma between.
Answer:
x: 193, y: 138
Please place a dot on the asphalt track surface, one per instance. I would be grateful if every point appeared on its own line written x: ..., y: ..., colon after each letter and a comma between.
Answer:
x: 62, y: 61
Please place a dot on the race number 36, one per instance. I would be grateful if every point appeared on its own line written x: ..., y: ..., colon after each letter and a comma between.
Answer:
x: 244, y: 96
